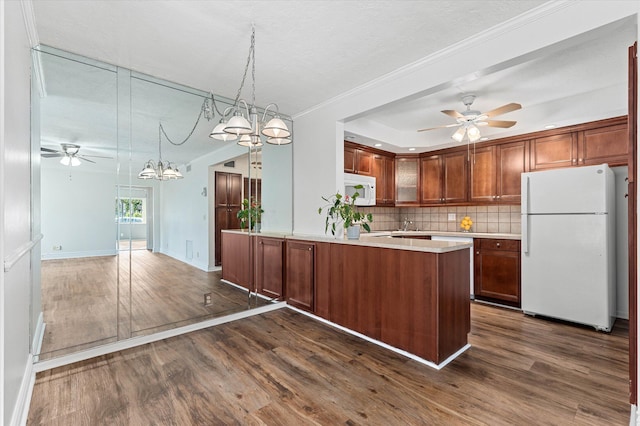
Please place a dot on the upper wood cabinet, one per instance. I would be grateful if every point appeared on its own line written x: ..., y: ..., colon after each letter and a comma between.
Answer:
x: 584, y: 145
x: 553, y: 152
x: 384, y: 170
x: 495, y: 172
x: 603, y: 145
x: 407, y: 180
x: 357, y: 160
x: 444, y: 178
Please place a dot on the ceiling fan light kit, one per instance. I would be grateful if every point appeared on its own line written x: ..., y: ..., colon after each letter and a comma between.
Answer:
x: 469, y: 120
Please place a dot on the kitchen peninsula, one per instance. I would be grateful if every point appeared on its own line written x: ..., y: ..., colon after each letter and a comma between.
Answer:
x: 411, y: 294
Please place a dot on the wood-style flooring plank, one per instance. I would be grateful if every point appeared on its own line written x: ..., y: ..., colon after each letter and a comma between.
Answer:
x: 283, y: 368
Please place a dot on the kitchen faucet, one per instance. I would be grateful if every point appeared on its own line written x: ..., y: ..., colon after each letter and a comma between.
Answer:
x: 406, y: 223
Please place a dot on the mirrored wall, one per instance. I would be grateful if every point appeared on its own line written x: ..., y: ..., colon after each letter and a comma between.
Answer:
x: 122, y: 256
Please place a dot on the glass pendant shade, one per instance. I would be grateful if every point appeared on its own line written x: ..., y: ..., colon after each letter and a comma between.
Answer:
x: 250, y: 140
x: 473, y: 133
x: 238, y: 125
x: 279, y: 141
x: 276, y: 128
x: 65, y: 161
x: 219, y: 133
x: 459, y: 134
x: 75, y: 162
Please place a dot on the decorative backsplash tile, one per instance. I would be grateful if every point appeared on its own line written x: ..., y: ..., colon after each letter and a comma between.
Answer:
x: 502, y: 219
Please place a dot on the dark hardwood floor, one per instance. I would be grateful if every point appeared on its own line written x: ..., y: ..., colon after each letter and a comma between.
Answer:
x: 80, y: 299
x: 283, y: 368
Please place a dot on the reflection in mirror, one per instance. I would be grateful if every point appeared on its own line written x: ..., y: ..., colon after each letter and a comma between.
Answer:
x: 122, y: 256
x: 79, y: 279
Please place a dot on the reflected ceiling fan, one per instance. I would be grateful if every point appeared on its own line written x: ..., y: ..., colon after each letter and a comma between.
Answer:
x: 468, y: 121
x: 69, y: 154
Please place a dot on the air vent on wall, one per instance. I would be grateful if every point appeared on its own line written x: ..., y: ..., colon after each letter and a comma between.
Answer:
x: 230, y: 164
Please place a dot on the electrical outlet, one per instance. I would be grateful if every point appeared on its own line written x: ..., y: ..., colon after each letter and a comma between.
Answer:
x: 207, y: 299
x: 57, y: 248
x: 451, y: 217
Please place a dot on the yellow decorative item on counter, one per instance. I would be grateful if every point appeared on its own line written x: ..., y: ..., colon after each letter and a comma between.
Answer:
x: 466, y: 223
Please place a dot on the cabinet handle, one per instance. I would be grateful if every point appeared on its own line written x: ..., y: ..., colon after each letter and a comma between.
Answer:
x: 573, y: 161
x: 580, y: 160
x: 498, y: 197
x: 477, y: 252
x: 497, y: 244
x: 309, y: 249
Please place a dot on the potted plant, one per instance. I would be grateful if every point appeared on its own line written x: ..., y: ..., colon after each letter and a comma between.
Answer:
x: 251, y: 212
x: 343, y: 209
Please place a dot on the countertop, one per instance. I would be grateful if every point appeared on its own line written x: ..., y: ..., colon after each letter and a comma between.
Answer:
x: 384, y: 239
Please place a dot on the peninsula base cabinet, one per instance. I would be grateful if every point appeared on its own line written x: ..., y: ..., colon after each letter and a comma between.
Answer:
x: 270, y: 267
x: 300, y: 276
x: 497, y: 271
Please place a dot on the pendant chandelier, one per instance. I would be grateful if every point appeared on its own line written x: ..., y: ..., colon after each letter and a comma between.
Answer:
x: 245, y: 125
x: 162, y: 170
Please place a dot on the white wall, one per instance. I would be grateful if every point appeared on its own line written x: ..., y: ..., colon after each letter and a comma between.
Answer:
x: 15, y: 203
x: 78, y: 212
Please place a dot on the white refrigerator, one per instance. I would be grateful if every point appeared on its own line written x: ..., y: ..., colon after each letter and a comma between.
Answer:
x: 568, y: 231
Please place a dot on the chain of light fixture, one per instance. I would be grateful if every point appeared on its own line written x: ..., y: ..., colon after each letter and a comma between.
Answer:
x: 246, y: 129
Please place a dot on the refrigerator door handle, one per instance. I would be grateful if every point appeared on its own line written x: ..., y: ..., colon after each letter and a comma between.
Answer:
x: 525, y: 233
x: 525, y: 215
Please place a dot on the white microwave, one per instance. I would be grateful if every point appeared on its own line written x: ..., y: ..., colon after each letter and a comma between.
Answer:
x: 366, y: 194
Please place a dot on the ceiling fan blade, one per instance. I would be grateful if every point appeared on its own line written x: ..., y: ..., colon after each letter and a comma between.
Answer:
x: 83, y: 158
x: 97, y: 156
x: 452, y: 113
x: 43, y: 149
x: 440, y: 127
x: 503, y: 109
x: 505, y: 124
x: 52, y: 154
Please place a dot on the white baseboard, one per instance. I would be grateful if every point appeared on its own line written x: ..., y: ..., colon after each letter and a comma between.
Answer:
x: 633, y: 417
x: 78, y: 254
x: 385, y: 345
x: 21, y: 409
x: 141, y: 340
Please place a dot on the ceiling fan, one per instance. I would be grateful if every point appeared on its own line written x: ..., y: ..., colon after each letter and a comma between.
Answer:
x: 469, y: 120
x: 69, y: 154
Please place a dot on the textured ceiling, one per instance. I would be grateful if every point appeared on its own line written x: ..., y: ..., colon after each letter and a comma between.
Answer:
x: 308, y: 52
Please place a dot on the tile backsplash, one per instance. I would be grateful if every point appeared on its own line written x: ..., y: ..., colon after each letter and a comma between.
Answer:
x: 502, y: 219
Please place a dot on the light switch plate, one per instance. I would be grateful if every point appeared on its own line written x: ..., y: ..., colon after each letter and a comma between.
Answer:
x: 451, y: 217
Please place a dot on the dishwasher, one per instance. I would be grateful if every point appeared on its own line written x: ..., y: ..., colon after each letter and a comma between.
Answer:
x: 460, y: 240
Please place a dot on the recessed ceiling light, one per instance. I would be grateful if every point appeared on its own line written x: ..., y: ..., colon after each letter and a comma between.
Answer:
x: 412, y: 149
x: 378, y: 144
x: 550, y: 126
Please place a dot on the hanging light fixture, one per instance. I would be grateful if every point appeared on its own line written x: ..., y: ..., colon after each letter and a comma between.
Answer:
x: 70, y: 159
x: 160, y: 170
x: 245, y: 124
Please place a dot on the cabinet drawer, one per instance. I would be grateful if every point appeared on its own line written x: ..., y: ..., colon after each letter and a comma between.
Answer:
x: 502, y: 245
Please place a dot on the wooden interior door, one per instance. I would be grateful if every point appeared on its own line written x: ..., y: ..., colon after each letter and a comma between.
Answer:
x: 228, y: 202
x: 633, y: 231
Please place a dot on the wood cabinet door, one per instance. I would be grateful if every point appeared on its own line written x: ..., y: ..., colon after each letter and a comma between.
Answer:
x: 497, y: 271
x: 604, y: 145
x: 511, y: 163
x: 407, y: 180
x: 364, y: 162
x: 269, y: 274
x: 379, y: 173
x: 483, y: 174
x: 431, y: 180
x: 349, y: 159
x: 554, y: 152
x: 389, y: 186
x: 455, y: 177
x: 235, y: 258
x: 300, y: 274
